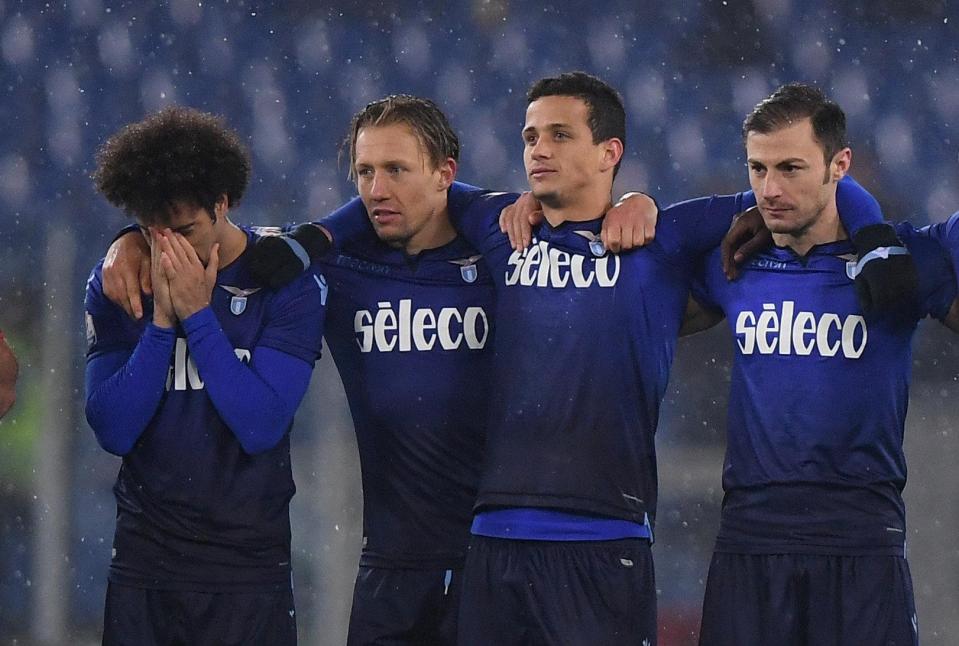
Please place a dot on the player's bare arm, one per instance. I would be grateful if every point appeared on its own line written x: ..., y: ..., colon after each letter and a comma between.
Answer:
x: 518, y: 219
x: 747, y: 235
x: 127, y: 273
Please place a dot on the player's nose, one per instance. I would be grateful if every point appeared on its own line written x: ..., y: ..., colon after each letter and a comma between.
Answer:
x: 540, y: 149
x: 379, y: 187
x: 771, y: 188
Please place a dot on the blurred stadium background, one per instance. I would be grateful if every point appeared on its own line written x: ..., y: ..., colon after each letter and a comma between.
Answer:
x: 288, y: 75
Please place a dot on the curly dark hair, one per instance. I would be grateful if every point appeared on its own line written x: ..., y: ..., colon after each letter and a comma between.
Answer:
x: 175, y: 155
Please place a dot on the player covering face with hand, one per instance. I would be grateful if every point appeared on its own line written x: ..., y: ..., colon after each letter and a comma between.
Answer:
x: 197, y: 397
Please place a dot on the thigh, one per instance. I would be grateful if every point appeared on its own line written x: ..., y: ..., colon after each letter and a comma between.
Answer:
x: 864, y: 600
x: 490, y: 610
x: 585, y: 593
x: 752, y: 599
x: 532, y: 592
x: 242, y: 618
x: 404, y: 607
x: 145, y: 617
x: 137, y: 617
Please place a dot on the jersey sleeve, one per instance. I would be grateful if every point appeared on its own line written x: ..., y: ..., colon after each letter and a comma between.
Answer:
x: 692, y: 228
x: 935, y: 249
x: 348, y: 223
x: 257, y: 401
x: 857, y: 207
x: 107, y: 326
x: 126, y: 371
x: 475, y: 214
x: 296, y: 318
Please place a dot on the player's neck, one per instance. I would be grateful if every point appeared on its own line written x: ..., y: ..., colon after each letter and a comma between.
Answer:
x: 437, y: 232
x: 827, y: 228
x: 586, y: 205
x: 232, y: 243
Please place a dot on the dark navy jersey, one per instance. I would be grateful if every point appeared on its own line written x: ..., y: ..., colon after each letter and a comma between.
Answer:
x: 817, y: 405
x: 411, y: 337
x: 584, y: 343
x: 194, y: 511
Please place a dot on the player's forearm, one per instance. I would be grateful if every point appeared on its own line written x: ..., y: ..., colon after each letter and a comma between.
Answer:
x: 124, y: 391
x: 256, y: 401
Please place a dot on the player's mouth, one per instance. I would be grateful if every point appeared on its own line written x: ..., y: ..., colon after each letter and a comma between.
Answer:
x: 540, y: 172
x: 385, y: 216
x: 777, y: 211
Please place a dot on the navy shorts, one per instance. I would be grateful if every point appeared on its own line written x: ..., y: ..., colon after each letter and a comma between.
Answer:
x: 409, y: 607
x: 538, y: 593
x: 800, y: 599
x: 143, y: 617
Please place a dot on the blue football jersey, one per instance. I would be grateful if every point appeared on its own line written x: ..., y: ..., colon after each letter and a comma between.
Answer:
x: 584, y: 344
x: 411, y: 338
x: 817, y: 405
x: 194, y: 511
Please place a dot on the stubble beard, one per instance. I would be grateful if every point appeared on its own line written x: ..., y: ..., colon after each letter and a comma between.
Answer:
x: 551, y: 199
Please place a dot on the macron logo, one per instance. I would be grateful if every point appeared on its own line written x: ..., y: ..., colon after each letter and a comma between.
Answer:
x: 783, y: 330
x: 540, y: 265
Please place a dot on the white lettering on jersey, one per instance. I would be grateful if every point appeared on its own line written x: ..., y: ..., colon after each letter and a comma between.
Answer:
x: 540, y: 265
x: 183, y: 374
x: 404, y: 329
x: 786, y: 331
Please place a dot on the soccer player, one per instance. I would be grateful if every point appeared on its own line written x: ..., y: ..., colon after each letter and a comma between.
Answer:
x: 811, y: 542
x: 197, y: 397
x: 409, y: 325
x: 8, y: 376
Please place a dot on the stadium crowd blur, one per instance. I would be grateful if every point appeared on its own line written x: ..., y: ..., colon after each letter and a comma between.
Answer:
x: 73, y: 71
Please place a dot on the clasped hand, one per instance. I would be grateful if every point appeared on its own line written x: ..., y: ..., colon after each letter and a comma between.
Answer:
x: 182, y: 286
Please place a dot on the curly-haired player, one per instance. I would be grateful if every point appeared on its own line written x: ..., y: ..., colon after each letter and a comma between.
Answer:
x: 197, y: 397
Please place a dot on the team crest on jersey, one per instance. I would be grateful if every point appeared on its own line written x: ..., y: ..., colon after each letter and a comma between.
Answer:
x: 238, y: 302
x: 596, y: 245
x: 851, y: 265
x: 468, y: 269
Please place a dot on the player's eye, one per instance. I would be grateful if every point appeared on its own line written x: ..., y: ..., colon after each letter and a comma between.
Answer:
x: 560, y: 135
x: 364, y: 172
x: 394, y: 170
x: 530, y: 139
